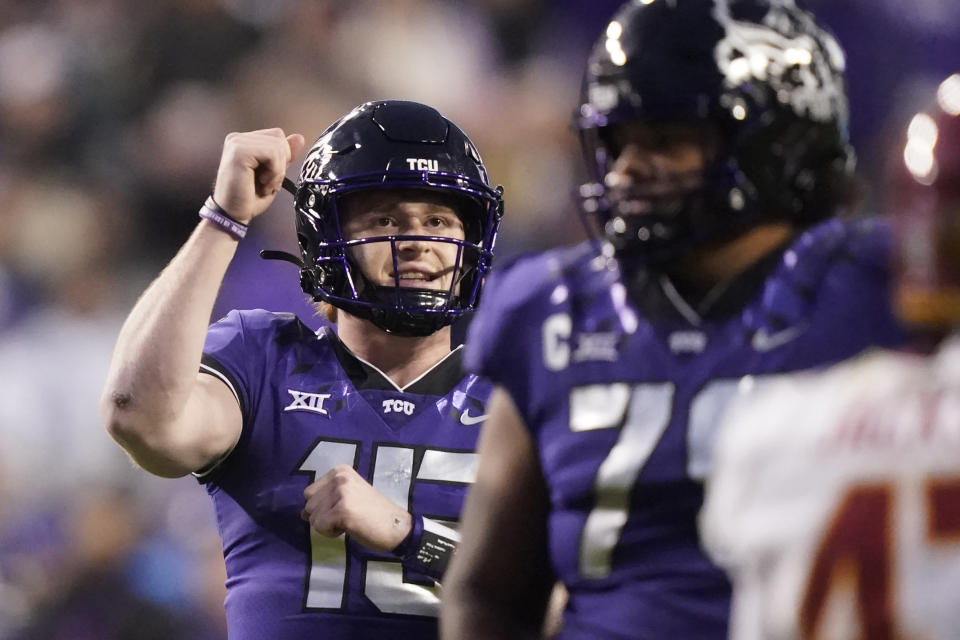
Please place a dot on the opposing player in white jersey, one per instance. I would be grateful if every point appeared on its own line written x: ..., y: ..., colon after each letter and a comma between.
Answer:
x: 835, y: 503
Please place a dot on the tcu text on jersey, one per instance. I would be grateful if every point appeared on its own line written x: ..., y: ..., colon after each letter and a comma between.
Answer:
x: 303, y: 416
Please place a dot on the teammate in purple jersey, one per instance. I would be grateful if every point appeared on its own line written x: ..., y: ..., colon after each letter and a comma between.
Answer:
x: 716, y: 133
x: 336, y: 460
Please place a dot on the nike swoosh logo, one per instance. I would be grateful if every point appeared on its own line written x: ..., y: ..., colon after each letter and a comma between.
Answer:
x: 763, y: 341
x: 467, y: 419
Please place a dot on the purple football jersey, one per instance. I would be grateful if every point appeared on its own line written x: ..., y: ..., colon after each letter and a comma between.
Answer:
x: 308, y: 405
x: 623, y: 406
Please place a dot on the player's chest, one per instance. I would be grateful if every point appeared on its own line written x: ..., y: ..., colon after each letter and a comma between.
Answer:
x: 339, y: 410
x: 665, y: 389
x: 424, y: 457
x: 645, y: 412
x: 388, y: 437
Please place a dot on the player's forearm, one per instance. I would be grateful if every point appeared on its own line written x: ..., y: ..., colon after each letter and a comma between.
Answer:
x: 500, y: 579
x: 478, y: 614
x: 497, y: 587
x: 157, y: 355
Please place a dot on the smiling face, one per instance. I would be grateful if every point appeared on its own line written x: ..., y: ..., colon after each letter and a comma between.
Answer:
x: 421, y: 263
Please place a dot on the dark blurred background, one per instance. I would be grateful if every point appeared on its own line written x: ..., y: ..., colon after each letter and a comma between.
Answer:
x: 112, y: 117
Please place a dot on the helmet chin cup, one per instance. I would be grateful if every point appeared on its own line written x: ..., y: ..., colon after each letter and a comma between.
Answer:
x: 408, y: 311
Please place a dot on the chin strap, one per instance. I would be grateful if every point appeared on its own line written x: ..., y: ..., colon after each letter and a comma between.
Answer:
x: 270, y: 254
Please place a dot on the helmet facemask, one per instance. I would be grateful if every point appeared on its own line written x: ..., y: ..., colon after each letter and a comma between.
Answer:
x: 659, y: 195
x: 340, y: 269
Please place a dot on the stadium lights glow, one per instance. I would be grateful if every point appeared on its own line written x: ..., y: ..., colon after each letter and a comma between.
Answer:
x: 948, y: 95
x: 918, y: 154
x: 923, y: 128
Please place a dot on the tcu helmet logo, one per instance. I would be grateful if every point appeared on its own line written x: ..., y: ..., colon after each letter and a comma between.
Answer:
x: 423, y: 164
x: 398, y: 406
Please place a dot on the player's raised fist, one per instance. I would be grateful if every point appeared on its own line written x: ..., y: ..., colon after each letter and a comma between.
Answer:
x: 252, y: 167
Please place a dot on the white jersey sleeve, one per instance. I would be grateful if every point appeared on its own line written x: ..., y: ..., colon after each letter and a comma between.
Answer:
x: 835, y: 502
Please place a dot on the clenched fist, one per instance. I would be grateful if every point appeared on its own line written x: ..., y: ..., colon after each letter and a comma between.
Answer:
x: 252, y: 167
x: 343, y: 502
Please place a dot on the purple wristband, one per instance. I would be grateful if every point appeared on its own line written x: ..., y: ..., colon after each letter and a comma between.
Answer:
x: 214, y: 213
x: 425, y: 551
x: 409, y: 544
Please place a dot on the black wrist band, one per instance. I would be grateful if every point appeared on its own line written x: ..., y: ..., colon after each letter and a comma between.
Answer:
x: 425, y: 551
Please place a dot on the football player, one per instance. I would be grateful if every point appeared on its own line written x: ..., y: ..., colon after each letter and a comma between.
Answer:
x: 716, y: 133
x: 835, y: 498
x: 333, y: 459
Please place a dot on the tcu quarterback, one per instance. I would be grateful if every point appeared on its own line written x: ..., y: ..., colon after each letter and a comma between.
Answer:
x: 335, y: 460
x: 716, y: 133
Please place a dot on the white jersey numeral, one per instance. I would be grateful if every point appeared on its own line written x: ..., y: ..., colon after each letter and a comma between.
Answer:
x: 644, y: 416
x: 328, y: 556
x: 393, y: 477
x: 642, y: 412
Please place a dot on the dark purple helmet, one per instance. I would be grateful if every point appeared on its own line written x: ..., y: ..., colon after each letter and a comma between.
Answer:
x: 394, y: 144
x: 762, y: 75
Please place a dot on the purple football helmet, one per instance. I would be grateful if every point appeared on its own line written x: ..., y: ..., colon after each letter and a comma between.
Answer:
x: 762, y: 75
x: 394, y: 144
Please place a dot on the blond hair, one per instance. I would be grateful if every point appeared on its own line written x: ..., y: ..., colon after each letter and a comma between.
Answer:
x: 326, y: 310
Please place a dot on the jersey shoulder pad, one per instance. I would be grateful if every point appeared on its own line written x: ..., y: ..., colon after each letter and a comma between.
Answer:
x: 515, y: 299
x: 864, y: 240
x: 239, y: 347
x: 531, y: 277
x: 258, y: 326
x: 845, y: 262
x: 870, y: 241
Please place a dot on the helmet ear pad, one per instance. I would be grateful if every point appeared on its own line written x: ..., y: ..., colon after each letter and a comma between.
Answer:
x: 308, y: 282
x: 315, y: 279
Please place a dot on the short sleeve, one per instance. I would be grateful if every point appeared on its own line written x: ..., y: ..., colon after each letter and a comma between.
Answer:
x: 498, y: 341
x: 224, y: 357
x: 237, y: 350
